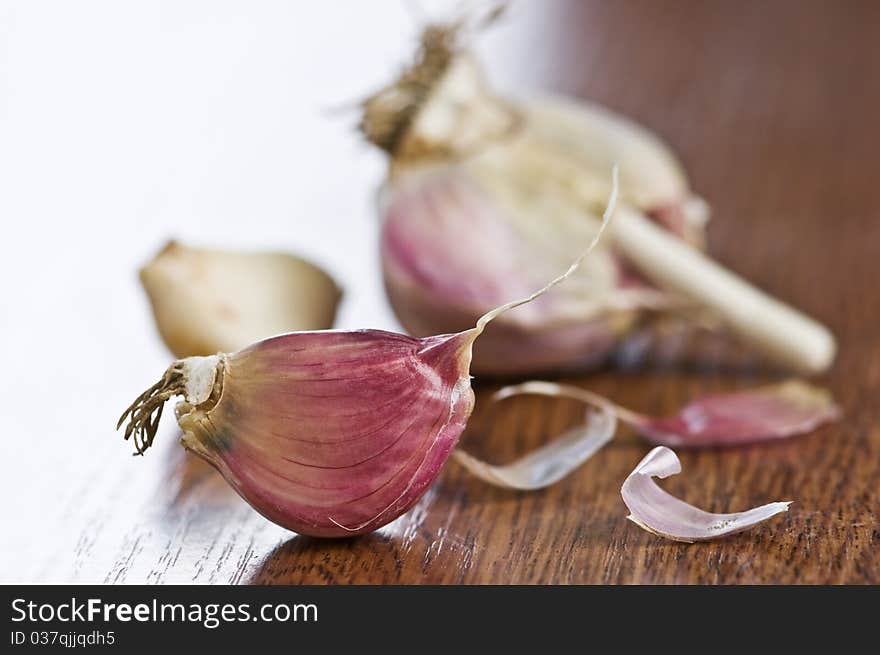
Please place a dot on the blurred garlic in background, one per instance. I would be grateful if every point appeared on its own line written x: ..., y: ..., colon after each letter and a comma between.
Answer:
x: 210, y: 301
x: 486, y: 196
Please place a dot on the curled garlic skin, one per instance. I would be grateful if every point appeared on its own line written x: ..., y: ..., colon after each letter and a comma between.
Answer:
x: 775, y: 411
x: 208, y: 301
x: 661, y: 513
x: 549, y: 463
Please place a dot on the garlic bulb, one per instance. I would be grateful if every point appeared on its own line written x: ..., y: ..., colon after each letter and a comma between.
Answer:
x: 484, y: 193
x: 209, y: 301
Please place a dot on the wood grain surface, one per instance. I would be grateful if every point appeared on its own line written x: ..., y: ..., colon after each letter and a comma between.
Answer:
x: 773, y: 107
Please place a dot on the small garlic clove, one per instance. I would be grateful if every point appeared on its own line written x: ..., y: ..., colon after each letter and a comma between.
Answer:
x: 661, y: 513
x: 209, y: 301
x: 334, y: 433
x: 328, y: 433
x: 775, y: 411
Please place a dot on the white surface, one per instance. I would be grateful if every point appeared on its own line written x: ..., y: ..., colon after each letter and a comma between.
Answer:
x: 123, y: 124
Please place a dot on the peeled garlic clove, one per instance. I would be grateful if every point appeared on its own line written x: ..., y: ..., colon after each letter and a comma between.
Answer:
x: 772, y: 412
x: 661, y: 513
x: 209, y: 301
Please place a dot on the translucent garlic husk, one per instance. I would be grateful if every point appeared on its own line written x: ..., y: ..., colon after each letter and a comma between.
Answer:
x: 209, y: 301
x: 659, y: 512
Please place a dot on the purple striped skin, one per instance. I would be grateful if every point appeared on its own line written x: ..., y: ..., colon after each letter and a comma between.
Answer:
x: 334, y: 434
x: 732, y: 419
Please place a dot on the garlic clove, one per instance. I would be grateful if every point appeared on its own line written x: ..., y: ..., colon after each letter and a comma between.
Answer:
x: 334, y: 433
x: 771, y: 412
x: 209, y: 301
x: 328, y: 434
x: 661, y: 513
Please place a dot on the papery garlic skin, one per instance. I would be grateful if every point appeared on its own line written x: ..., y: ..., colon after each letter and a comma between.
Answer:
x: 659, y: 512
x: 775, y: 411
x: 209, y: 301
x: 334, y: 434
x: 551, y: 462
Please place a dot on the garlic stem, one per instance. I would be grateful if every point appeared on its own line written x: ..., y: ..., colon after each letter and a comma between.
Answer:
x: 199, y: 375
x: 779, y: 331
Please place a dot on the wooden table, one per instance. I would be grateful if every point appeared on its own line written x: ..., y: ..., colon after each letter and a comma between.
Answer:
x: 773, y: 107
